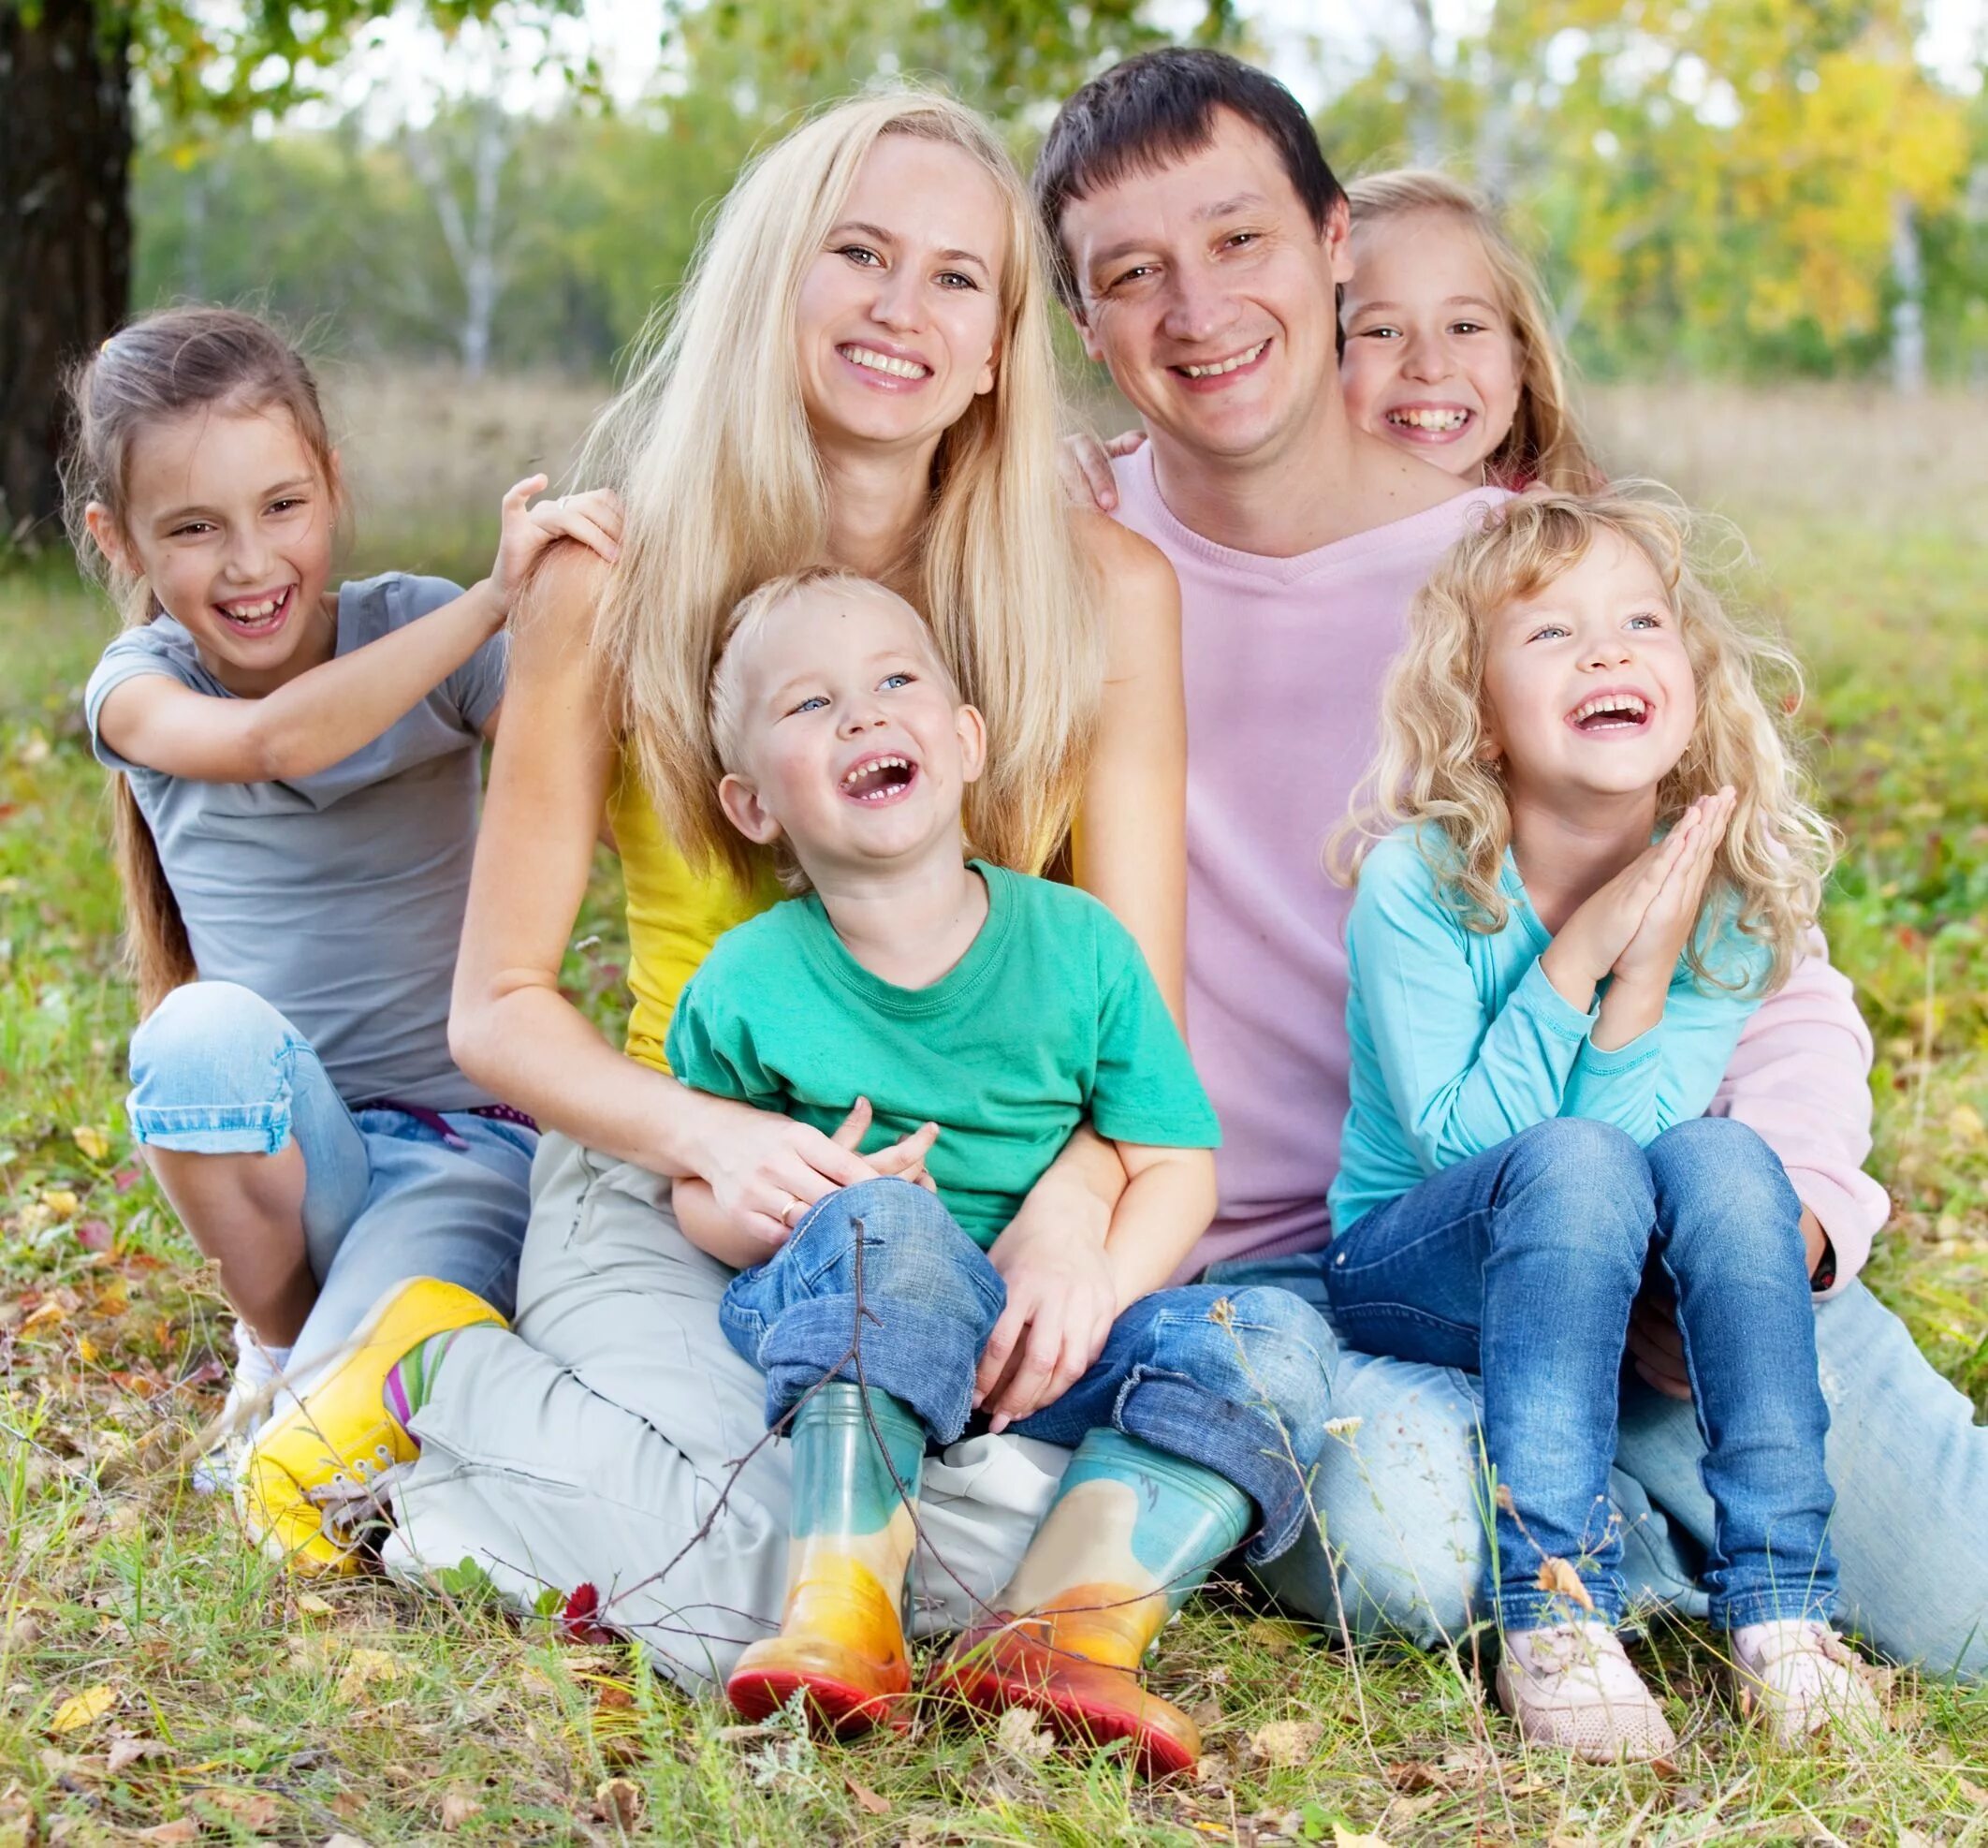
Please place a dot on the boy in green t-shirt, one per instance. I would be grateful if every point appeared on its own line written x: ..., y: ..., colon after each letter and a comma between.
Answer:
x: 1004, y: 1010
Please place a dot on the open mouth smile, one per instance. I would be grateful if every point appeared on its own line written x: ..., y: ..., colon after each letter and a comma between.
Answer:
x: 1220, y: 369
x: 895, y: 370
x: 879, y: 780
x: 1612, y: 715
x: 1425, y: 423
x: 257, y: 615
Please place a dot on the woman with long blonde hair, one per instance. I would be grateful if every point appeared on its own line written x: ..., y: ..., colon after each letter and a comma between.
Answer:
x: 1588, y: 858
x: 858, y: 372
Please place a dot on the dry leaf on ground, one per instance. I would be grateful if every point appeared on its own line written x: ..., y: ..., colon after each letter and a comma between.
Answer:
x: 1343, y: 1837
x: 255, y: 1811
x: 1020, y: 1733
x: 1286, y: 1741
x: 83, y: 1709
x: 1274, y: 1636
x: 181, y: 1828
x: 363, y: 1667
x: 619, y: 1801
x: 125, y: 1752
x: 867, y: 1799
x: 458, y: 1806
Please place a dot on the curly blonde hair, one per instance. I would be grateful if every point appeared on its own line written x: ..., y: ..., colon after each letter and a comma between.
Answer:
x: 1545, y: 443
x: 1430, y: 768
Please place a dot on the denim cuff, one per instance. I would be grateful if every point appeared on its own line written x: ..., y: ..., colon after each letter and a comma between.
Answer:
x: 915, y: 1353
x: 1526, y: 1607
x: 211, y: 1129
x: 1789, y: 1603
x: 1241, y: 1446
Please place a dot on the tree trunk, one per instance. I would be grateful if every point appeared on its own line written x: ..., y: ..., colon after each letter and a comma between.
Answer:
x: 1908, y: 312
x: 65, y: 229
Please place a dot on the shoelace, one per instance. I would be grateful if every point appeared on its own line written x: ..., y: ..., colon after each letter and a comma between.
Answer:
x: 356, y: 1499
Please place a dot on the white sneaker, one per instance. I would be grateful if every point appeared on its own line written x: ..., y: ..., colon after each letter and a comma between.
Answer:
x: 1797, y: 1676
x: 258, y: 1371
x: 1571, y: 1686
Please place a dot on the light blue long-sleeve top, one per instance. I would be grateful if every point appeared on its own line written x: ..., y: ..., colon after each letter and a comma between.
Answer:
x: 1459, y: 1041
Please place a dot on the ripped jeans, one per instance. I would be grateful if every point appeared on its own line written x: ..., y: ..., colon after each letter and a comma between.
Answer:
x: 1240, y: 1391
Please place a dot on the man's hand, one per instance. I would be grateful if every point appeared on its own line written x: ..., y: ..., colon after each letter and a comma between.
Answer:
x: 1063, y: 1300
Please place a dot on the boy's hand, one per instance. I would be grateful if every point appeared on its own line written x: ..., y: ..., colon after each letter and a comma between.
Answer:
x: 593, y: 518
x: 1062, y: 1299
x: 904, y: 1158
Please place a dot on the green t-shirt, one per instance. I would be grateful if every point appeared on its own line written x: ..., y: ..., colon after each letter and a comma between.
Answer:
x: 1051, y: 1016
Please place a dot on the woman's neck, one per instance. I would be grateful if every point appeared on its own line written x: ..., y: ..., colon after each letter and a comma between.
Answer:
x: 909, y: 923
x: 1567, y: 850
x: 877, y: 504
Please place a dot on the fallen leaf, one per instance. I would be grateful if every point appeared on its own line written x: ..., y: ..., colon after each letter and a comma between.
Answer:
x: 343, y: 1840
x: 867, y: 1799
x: 1343, y: 1837
x: 92, y: 1142
x: 458, y: 1806
x: 125, y: 1752
x: 1212, y: 1767
x: 1416, y: 1774
x: 1274, y: 1636
x: 363, y: 1667
x: 61, y: 1202
x: 1020, y: 1733
x: 1561, y: 1580
x: 181, y: 1828
x: 576, y: 1617
x: 125, y: 1179
x: 255, y: 1811
x: 48, y: 1315
x: 93, y: 1235
x: 619, y: 1801
x: 309, y: 1604
x: 1286, y: 1741
x: 82, y: 1710
x: 1972, y: 1791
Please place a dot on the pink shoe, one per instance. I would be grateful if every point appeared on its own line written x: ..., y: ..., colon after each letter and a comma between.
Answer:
x: 1571, y: 1686
x: 1797, y: 1676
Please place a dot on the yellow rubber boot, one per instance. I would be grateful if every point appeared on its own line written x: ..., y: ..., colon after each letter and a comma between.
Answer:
x: 841, y: 1634
x: 1134, y: 1532
x: 340, y: 1438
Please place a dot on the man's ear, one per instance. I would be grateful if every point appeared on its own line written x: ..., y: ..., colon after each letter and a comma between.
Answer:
x: 1093, y: 349
x: 1337, y: 237
x: 972, y: 730
x: 744, y: 811
x: 103, y: 529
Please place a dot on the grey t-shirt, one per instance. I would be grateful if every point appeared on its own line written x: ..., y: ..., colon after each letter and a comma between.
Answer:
x: 338, y: 898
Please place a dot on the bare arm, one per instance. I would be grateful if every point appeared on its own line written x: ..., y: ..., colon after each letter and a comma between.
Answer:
x: 330, y: 711
x: 309, y: 724
x: 509, y: 1026
x: 1130, y: 842
x: 1168, y: 1202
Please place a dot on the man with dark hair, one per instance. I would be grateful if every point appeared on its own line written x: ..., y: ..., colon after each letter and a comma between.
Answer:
x: 1200, y: 238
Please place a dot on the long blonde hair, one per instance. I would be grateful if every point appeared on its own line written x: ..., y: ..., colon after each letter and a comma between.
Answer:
x: 154, y: 370
x: 709, y: 447
x: 1430, y: 768
x: 1545, y: 444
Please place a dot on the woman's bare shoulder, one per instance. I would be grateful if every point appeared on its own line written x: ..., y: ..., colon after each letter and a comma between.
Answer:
x: 564, y: 592
x: 1113, y: 549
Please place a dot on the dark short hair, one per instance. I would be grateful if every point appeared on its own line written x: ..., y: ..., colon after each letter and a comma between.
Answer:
x: 1159, y: 108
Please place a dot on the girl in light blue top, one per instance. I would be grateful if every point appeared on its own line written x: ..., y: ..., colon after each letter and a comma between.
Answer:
x: 1586, y: 859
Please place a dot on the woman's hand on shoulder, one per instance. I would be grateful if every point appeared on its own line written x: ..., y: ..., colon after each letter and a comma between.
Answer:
x: 529, y: 532
x: 1083, y: 468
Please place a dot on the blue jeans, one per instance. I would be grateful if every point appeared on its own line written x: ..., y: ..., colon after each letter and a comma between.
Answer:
x: 215, y: 1070
x: 1522, y: 1264
x: 1238, y: 1389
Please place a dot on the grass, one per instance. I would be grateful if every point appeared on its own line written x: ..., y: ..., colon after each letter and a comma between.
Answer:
x: 235, y: 1705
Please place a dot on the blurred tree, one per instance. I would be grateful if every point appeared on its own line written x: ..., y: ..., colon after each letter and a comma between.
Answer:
x: 68, y: 71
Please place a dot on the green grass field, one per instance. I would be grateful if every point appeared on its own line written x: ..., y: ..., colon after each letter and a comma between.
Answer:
x: 158, y: 1682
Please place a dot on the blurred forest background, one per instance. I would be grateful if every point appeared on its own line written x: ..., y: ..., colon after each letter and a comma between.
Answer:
x: 1750, y: 188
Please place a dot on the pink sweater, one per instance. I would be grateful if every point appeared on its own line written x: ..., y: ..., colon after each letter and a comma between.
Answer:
x: 1284, y: 659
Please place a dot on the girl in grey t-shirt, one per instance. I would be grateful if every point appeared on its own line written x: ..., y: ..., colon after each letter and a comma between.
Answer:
x: 297, y: 808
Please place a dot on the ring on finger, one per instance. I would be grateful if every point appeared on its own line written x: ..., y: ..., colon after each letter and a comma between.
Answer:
x: 793, y: 1210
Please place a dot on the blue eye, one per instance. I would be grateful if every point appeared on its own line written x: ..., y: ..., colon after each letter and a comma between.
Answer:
x: 893, y: 682
x: 812, y: 703
x: 1551, y: 632
x: 1646, y: 621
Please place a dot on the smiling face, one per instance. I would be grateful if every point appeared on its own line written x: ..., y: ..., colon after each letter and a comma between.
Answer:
x: 899, y: 317
x: 1587, y: 687
x: 852, y: 742
x: 230, y: 521
x: 1432, y: 361
x: 1208, y: 291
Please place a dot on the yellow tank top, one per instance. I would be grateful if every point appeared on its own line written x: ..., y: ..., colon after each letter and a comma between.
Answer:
x: 674, y: 914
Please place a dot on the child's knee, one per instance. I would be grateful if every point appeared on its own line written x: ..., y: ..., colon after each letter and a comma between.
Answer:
x: 207, y: 1072
x: 1719, y: 1185
x: 1277, y: 1337
x: 1575, y: 1183
x: 893, y: 1238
